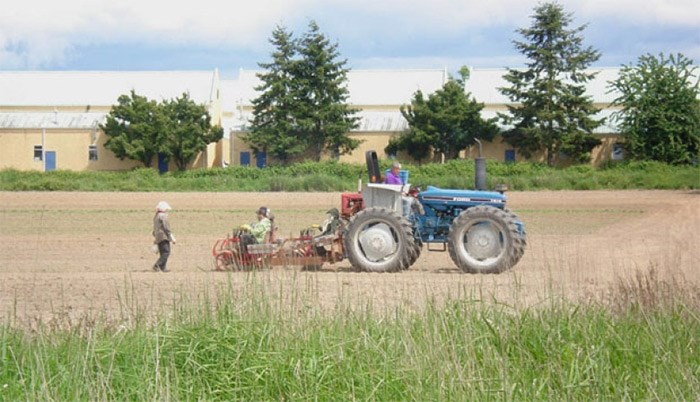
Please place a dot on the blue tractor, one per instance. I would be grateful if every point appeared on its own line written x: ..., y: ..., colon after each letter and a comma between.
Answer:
x: 388, y: 230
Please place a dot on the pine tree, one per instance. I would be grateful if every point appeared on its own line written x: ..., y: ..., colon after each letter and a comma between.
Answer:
x: 275, y: 127
x: 551, y: 111
x: 325, y: 119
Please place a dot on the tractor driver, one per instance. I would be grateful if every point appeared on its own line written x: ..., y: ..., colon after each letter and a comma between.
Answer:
x: 393, y: 176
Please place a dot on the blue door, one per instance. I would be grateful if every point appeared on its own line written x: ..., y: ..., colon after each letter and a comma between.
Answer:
x: 162, y: 163
x: 261, y: 159
x: 245, y: 158
x: 50, y: 162
x: 510, y: 155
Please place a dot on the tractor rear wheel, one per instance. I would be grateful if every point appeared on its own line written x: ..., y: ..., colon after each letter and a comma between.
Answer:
x: 417, y: 248
x: 379, y: 240
x: 486, y: 240
x: 520, y: 250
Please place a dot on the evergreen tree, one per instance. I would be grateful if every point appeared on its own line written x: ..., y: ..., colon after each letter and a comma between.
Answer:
x: 447, y: 122
x: 188, y: 130
x: 660, y: 116
x: 274, y: 128
x: 551, y: 111
x: 133, y: 128
x: 324, y: 117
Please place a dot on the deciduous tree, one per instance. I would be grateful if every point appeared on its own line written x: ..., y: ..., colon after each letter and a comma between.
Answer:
x: 188, y: 130
x: 133, y: 128
x: 446, y: 122
x: 660, y: 116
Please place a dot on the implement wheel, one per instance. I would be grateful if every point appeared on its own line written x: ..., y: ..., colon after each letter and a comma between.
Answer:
x: 224, y: 261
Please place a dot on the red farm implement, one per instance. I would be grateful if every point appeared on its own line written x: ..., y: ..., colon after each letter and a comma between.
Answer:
x: 307, y: 251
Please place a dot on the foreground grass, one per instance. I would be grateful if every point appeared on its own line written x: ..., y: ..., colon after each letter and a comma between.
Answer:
x: 332, y: 176
x: 249, y: 347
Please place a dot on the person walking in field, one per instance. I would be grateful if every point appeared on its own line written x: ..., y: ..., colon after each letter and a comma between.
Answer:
x: 162, y: 236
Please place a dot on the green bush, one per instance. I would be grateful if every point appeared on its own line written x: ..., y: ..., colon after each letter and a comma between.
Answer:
x: 335, y: 176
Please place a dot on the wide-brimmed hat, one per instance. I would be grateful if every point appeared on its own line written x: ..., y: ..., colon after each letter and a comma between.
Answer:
x: 163, y: 206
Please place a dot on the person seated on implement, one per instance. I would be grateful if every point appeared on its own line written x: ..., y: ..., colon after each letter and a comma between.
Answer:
x: 393, y: 177
x: 255, y: 233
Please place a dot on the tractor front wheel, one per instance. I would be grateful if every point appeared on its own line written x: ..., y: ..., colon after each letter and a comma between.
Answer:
x: 486, y: 240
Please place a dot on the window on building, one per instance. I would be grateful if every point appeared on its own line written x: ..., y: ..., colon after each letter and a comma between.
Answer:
x: 92, y: 153
x: 38, y: 153
x: 618, y: 152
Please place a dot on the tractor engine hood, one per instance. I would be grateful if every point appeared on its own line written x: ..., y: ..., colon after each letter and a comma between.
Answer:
x: 441, y: 199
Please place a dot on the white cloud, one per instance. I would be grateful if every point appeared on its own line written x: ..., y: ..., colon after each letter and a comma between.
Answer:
x: 38, y: 33
x: 35, y: 33
x: 457, y: 14
x: 639, y: 12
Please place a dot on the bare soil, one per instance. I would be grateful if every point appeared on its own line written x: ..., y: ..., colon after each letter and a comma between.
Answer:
x: 65, y: 257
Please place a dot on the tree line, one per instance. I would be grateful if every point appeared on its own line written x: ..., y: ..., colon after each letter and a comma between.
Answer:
x: 302, y: 110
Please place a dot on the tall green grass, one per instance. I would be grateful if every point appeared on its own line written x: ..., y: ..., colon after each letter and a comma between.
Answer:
x: 333, y: 176
x: 254, y: 344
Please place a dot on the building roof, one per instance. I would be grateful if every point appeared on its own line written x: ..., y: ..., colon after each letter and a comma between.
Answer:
x: 102, y: 88
x: 370, y: 121
x: 378, y: 92
x: 609, y: 123
x: 483, y: 84
x: 397, y: 87
x: 392, y: 87
x: 366, y: 87
x: 381, y: 122
x: 49, y: 120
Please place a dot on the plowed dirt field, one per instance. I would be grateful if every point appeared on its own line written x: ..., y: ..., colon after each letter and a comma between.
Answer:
x: 67, y: 256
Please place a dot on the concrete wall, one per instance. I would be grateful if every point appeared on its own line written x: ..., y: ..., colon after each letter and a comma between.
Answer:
x: 71, y: 147
x: 377, y: 141
x: 72, y: 151
x: 72, y: 144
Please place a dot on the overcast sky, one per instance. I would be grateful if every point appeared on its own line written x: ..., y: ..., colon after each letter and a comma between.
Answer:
x: 233, y: 34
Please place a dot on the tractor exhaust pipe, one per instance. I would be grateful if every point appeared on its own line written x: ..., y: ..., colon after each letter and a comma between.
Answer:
x: 479, y: 170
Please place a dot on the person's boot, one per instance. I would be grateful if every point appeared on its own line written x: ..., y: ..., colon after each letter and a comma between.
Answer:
x: 156, y: 268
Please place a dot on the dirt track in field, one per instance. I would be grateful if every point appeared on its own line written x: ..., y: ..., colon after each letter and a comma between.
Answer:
x: 67, y: 256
